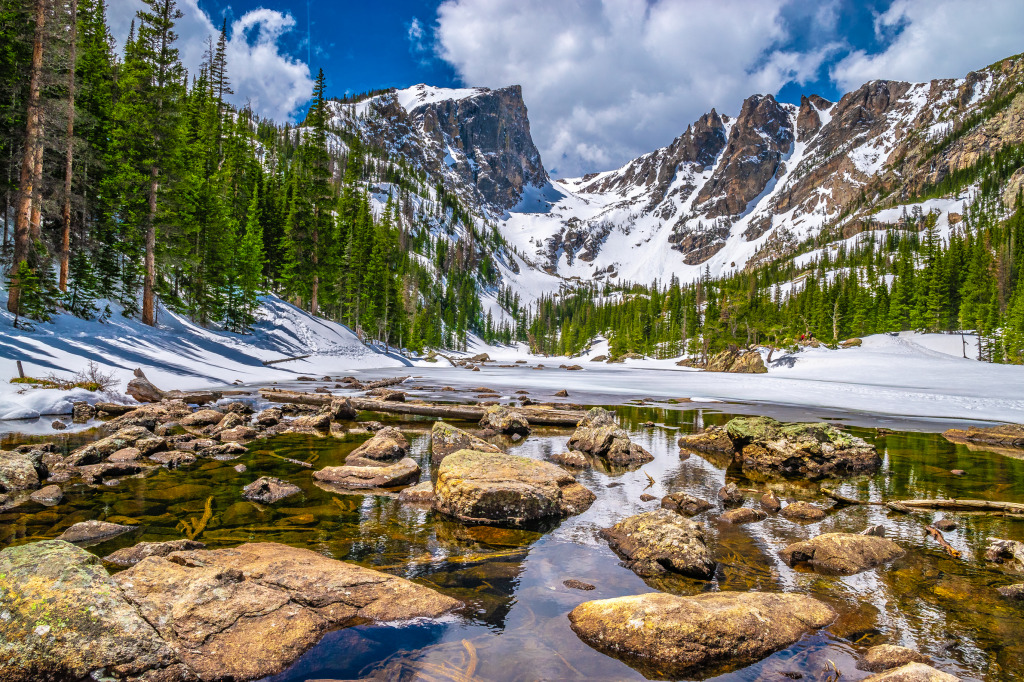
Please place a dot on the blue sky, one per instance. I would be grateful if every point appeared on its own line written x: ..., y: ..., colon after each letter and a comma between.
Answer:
x: 604, y: 80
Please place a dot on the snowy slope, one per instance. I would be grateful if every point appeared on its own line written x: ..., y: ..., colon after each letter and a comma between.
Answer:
x: 175, y: 355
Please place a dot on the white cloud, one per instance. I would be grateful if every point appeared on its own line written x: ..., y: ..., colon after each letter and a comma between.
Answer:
x: 936, y: 39
x: 607, y: 80
x: 274, y: 83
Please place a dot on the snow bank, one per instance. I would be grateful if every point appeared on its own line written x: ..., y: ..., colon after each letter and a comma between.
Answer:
x: 177, y: 354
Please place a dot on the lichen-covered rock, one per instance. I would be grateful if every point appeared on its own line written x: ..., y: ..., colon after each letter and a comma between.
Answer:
x: 129, y: 556
x: 888, y: 656
x: 421, y: 493
x: 811, y: 451
x: 267, y: 490
x: 378, y: 475
x: 665, y: 636
x: 913, y: 672
x: 505, y: 420
x: 446, y: 439
x: 90, y: 532
x: 743, y: 515
x: 506, y: 490
x: 21, y: 471
x: 574, y: 459
x: 269, y: 417
x: 713, y: 439
x: 49, y: 495
x: 238, y: 434
x: 248, y: 612
x: 598, y: 435
x: 737, y: 362
x: 842, y: 553
x: 658, y: 542
x: 802, y: 511
x: 730, y: 495
x: 82, y: 412
x: 685, y: 503
x: 387, y: 445
x: 65, y: 619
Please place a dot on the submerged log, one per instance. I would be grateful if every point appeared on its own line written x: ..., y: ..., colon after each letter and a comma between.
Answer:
x: 937, y: 535
x: 539, y: 416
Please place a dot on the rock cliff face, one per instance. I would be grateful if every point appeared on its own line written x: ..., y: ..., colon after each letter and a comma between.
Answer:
x: 477, y: 140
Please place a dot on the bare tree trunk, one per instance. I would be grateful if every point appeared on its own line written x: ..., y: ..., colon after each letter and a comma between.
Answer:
x: 65, y: 252
x: 149, y: 280
x: 35, y: 229
x: 314, y: 303
x: 33, y: 138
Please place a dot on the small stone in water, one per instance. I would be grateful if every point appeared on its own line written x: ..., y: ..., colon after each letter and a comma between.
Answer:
x: 647, y: 498
x: 945, y: 524
x: 58, y: 425
x: 112, y: 482
x: 574, y: 584
x: 240, y: 468
x: 958, y: 472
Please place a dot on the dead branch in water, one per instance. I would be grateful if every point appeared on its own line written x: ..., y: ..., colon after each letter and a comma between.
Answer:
x: 937, y: 535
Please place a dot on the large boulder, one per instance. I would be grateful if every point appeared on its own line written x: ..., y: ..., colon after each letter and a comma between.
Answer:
x: 809, y: 451
x: 267, y: 490
x: 598, y: 435
x: 506, y: 490
x: 505, y: 420
x: 446, y: 439
x: 913, y: 672
x: 386, y: 446
x: 668, y: 637
x: 21, y: 470
x: 661, y: 541
x: 63, y: 618
x: 248, y: 612
x: 842, y: 553
x: 129, y: 556
x: 378, y: 475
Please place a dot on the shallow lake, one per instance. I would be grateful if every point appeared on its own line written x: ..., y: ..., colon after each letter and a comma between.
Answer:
x: 514, y: 625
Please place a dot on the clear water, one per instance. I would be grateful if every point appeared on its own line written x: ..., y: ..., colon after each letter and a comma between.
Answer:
x: 514, y: 624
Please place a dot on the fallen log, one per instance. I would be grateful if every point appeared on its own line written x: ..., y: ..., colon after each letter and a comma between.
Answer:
x: 538, y: 416
x: 842, y: 499
x: 965, y: 505
x: 267, y: 363
x: 937, y: 535
x: 384, y: 383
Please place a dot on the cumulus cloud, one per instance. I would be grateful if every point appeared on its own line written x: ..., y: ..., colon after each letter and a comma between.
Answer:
x: 274, y: 83
x: 606, y: 80
x: 929, y: 39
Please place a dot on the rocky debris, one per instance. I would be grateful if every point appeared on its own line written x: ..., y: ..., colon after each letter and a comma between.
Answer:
x: 661, y: 541
x: 49, y: 495
x: 231, y: 420
x: 685, y: 503
x: 647, y: 498
x: 945, y: 524
x: 811, y: 451
x: 386, y: 445
x: 506, y: 490
x: 599, y: 358
x: 248, y: 612
x: 198, y: 418
x: 730, y: 495
x: 89, y: 532
x: 1009, y: 553
x: 913, y: 672
x: 65, y: 618
x: 21, y: 470
x: 574, y: 459
x: 267, y: 490
x: 888, y: 656
x: 129, y: 556
x: 802, y: 511
x: 770, y: 502
x: 238, y: 407
x: 93, y: 453
x: 104, y: 472
x: 269, y: 417
x: 378, y: 475
x: 842, y: 553
x: 1015, y: 592
x: 743, y: 515
x: 149, y: 416
x: 82, y: 412
x: 598, y: 435
x: 505, y: 420
x: 668, y: 636
x: 713, y: 439
x: 446, y: 439
x: 1004, y: 435
x: 421, y: 493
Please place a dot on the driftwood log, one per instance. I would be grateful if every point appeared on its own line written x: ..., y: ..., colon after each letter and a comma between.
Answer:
x: 965, y: 505
x: 268, y: 363
x: 383, y: 383
x: 937, y: 535
x: 535, y: 415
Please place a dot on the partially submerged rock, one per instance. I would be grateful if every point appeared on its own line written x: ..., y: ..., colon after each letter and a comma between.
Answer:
x: 770, y: 502
x: 1014, y: 592
x: 505, y: 420
x: 506, y: 490
x: 403, y: 472
x: 573, y: 459
x: 90, y: 532
x: 842, y: 553
x: 20, y: 471
x: 446, y: 439
x: 743, y: 515
x: 49, y: 496
x: 685, y: 503
x: 1003, y: 435
x: 661, y: 541
x: 129, y: 556
x: 248, y: 612
x: 713, y: 439
x: 913, y: 672
x: 64, y: 618
x: 730, y: 495
x: 802, y: 511
x: 598, y: 435
x: 127, y: 437
x: 888, y: 656
x: 387, y: 445
x: 421, y: 493
x: 668, y: 636
x: 267, y: 490
x: 1009, y: 553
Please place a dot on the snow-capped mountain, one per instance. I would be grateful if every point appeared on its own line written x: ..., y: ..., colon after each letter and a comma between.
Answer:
x: 730, y: 191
